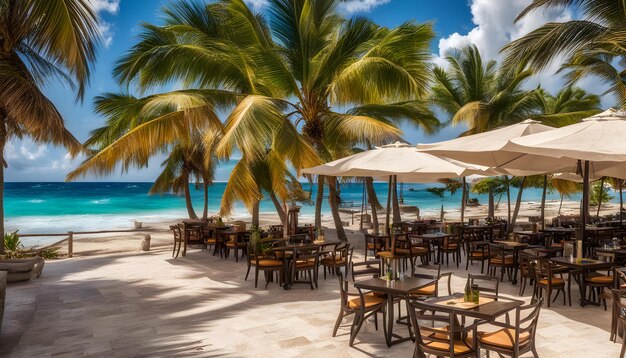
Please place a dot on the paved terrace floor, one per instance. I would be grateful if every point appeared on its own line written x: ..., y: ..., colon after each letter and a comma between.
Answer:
x: 148, y: 304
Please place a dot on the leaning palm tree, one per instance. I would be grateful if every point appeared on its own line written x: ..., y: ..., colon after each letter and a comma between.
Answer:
x: 41, y: 41
x: 181, y: 123
x: 593, y: 44
x: 307, y: 76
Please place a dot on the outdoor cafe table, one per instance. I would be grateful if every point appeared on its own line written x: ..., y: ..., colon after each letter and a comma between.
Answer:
x: 399, y: 288
x: 583, y: 266
x: 487, y: 312
x: 290, y: 247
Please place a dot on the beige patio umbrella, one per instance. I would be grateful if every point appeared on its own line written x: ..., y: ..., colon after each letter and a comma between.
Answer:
x: 485, y: 148
x: 398, y: 160
x: 597, y: 141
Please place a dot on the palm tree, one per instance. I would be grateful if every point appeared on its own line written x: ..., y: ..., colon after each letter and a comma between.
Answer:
x: 593, y: 44
x: 182, y: 123
x: 41, y: 41
x: 482, y: 95
x: 295, y: 68
x: 568, y: 106
x: 565, y: 189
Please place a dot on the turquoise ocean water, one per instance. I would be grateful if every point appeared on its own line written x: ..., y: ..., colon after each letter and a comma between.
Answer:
x: 60, y: 207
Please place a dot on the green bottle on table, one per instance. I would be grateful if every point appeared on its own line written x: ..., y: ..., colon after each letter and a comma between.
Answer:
x: 467, y: 294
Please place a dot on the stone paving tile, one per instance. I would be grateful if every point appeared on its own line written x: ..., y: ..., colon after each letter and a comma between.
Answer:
x: 148, y: 304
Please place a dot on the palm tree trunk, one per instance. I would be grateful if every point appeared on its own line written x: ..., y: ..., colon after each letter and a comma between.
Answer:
x: 543, y: 202
x: 492, y: 208
x: 373, y: 201
x: 255, y: 214
x: 190, y: 211
x: 621, y: 201
x: 387, y: 225
x: 517, y: 205
x: 334, y: 208
x: 560, y: 205
x: 3, y: 139
x: 279, y: 208
x: 319, y: 198
x: 600, y: 197
x: 205, y: 211
x: 396, y: 206
x: 463, y: 199
x: 508, y: 199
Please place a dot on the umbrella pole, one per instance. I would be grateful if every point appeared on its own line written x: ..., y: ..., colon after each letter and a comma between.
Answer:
x: 387, y: 228
x: 621, y: 202
x: 584, y: 215
x: 543, y: 202
x: 463, y: 201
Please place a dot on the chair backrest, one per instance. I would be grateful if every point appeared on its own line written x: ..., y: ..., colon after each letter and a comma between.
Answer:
x: 526, y: 264
x: 496, y: 250
x: 176, y: 231
x: 437, y: 277
x: 442, y: 329
x: 620, y: 274
x: 299, y: 238
x: 605, y: 256
x: 306, y: 253
x: 377, y: 241
x: 526, y: 318
x: 369, y: 268
x: 543, y: 269
x: 488, y: 284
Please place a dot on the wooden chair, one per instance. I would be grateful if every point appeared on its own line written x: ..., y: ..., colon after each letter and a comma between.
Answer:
x: 237, y: 241
x: 336, y: 259
x: 363, y: 306
x: 618, y: 317
x: 513, y: 339
x: 476, y: 251
x: 527, y: 270
x: 499, y: 259
x: 419, y: 249
x: 178, y: 239
x: 432, y: 290
x: 488, y: 284
x: 268, y: 263
x: 374, y: 244
x: 305, y: 261
x: 597, y: 282
x: 443, y: 337
x: 370, y: 268
x: 545, y: 280
x: 451, y: 245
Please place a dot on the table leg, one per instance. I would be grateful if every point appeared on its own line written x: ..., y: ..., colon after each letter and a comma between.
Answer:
x: 389, y: 323
x: 515, y: 260
x: 186, y: 238
x: 582, y: 287
x: 287, y: 272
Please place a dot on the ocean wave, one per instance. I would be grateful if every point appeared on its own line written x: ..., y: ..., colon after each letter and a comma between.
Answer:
x: 36, y: 201
x: 100, y: 201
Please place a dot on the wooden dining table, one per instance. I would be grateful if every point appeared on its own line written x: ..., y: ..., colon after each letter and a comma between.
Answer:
x: 487, y: 312
x: 393, y: 289
x: 582, y: 267
x: 288, y: 247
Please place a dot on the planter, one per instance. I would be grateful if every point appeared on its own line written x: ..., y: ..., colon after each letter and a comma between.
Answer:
x: 22, y: 269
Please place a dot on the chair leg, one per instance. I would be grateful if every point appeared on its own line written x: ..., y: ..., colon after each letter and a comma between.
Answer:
x: 247, y: 273
x: 357, y: 329
x: 339, y: 319
x: 256, y: 277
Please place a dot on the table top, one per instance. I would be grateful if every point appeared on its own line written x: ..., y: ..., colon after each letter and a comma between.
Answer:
x: 620, y: 251
x: 511, y: 243
x: 488, y: 311
x: 528, y: 233
x: 559, y: 229
x: 400, y: 287
x: 598, y: 228
x: 588, y: 264
x: 546, y: 249
x: 437, y: 235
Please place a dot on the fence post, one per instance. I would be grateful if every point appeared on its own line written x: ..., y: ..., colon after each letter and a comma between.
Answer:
x: 70, y: 243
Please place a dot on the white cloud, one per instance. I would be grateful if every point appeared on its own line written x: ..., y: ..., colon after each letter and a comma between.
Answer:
x: 496, y: 26
x: 256, y: 4
x: 110, y: 6
x: 354, y: 6
x: 105, y: 28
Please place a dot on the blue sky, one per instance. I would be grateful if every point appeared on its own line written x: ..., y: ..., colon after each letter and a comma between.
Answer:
x: 487, y: 23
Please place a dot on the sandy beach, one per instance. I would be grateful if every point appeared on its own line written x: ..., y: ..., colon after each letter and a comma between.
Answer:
x: 95, y: 244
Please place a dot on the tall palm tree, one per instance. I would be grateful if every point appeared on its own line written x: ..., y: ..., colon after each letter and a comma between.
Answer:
x: 568, y: 106
x: 307, y: 75
x: 41, y: 41
x: 593, y: 44
x: 481, y: 94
